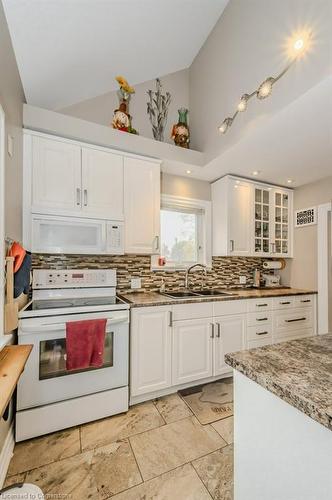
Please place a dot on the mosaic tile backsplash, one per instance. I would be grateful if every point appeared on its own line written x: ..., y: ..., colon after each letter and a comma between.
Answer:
x: 225, y: 272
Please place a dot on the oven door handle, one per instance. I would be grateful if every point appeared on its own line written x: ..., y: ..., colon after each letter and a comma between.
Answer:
x: 62, y: 326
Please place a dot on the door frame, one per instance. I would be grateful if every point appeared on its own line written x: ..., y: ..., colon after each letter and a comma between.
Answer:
x: 2, y: 221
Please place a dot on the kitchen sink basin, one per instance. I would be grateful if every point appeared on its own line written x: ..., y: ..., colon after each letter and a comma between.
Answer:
x: 212, y: 293
x: 180, y: 295
x: 184, y: 294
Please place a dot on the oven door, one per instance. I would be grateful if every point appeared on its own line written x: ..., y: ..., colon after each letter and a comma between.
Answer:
x: 45, y: 378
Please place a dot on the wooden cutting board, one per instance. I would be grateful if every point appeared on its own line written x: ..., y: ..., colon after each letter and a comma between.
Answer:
x: 11, y: 307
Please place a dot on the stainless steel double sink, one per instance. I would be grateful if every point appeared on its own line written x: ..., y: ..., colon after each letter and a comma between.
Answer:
x: 186, y: 294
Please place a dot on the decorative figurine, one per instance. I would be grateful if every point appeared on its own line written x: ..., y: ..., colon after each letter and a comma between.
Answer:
x: 157, y: 109
x: 180, y: 131
x: 121, y: 118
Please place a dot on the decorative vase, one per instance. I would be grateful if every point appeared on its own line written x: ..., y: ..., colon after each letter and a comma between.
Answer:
x: 180, y: 131
x: 157, y: 109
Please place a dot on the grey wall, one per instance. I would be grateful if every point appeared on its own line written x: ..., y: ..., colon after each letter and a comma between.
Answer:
x: 100, y: 109
x: 302, y: 270
x: 185, y: 187
x: 11, y: 99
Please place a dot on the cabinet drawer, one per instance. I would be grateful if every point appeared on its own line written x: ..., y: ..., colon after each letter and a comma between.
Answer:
x: 229, y: 307
x: 259, y: 343
x: 285, y: 322
x: 304, y: 300
x: 300, y: 334
x: 192, y: 311
x: 259, y: 332
x: 283, y: 302
x: 259, y: 304
x: 259, y: 318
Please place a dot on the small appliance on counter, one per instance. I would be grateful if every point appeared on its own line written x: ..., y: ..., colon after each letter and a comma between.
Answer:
x: 272, y: 280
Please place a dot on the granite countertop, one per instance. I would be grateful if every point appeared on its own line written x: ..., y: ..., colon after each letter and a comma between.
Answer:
x: 146, y: 299
x: 299, y: 372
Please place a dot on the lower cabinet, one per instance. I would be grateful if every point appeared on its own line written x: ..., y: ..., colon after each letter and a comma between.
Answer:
x: 229, y: 336
x: 192, y: 350
x: 150, y: 350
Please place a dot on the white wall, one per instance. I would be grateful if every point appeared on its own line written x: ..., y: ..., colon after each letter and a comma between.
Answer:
x: 100, y: 109
x: 11, y: 98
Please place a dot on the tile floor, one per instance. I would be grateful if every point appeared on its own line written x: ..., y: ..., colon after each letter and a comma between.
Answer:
x: 157, y: 450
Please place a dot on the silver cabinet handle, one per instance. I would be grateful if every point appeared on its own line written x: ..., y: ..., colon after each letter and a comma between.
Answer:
x: 262, y: 333
x: 307, y: 300
x: 78, y: 196
x: 170, y: 322
x: 212, y: 331
x: 261, y: 305
x: 218, y: 330
x: 156, y: 239
x: 85, y: 195
x: 284, y: 303
x: 232, y: 245
x: 296, y: 319
x: 262, y: 319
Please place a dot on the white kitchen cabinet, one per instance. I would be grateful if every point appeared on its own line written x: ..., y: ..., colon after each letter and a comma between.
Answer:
x: 229, y: 336
x: 142, y: 206
x: 56, y: 176
x: 102, y: 184
x: 192, y: 350
x: 150, y: 355
x: 251, y: 219
x: 232, y: 219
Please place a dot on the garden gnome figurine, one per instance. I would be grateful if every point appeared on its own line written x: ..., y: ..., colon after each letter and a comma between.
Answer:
x: 180, y: 131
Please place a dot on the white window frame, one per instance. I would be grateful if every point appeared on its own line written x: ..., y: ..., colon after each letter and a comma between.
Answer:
x: 2, y: 226
x: 204, y: 229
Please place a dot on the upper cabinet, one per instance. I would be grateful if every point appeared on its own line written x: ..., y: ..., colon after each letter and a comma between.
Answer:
x: 71, y: 180
x: 142, y: 206
x: 251, y: 219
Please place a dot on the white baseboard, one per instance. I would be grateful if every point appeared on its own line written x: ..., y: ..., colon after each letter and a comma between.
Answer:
x: 6, y: 454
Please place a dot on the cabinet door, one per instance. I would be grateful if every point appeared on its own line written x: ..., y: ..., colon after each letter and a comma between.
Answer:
x: 263, y: 229
x: 229, y: 337
x: 282, y: 225
x: 150, y: 354
x: 56, y: 176
x: 142, y: 206
x: 102, y: 184
x: 240, y: 203
x: 192, y: 350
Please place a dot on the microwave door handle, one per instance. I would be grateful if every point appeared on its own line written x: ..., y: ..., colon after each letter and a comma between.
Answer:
x: 62, y: 326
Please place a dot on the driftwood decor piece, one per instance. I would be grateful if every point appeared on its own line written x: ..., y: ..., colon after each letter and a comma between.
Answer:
x: 157, y: 109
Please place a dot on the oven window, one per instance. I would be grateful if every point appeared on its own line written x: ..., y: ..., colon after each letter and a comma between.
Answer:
x: 52, y: 358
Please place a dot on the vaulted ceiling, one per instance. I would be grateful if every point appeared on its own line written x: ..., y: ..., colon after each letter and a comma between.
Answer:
x: 68, y: 51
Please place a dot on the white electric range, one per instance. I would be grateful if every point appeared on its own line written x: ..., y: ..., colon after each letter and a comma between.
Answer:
x: 49, y: 397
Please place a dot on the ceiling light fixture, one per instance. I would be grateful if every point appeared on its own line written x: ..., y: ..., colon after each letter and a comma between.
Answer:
x: 290, y: 181
x: 188, y: 171
x: 299, y: 46
x: 256, y: 172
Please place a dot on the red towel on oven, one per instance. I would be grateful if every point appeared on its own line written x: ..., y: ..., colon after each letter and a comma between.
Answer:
x: 85, y: 342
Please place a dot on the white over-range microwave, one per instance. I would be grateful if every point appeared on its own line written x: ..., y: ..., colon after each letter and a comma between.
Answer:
x: 72, y: 235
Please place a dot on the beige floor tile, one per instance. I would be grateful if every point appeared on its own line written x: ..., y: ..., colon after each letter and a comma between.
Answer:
x: 69, y: 478
x: 179, y: 484
x: 172, y: 408
x: 216, y: 472
x: 160, y: 450
x: 207, y: 412
x: 139, y: 418
x: 44, y: 450
x: 225, y: 428
x: 18, y: 478
x: 114, y: 468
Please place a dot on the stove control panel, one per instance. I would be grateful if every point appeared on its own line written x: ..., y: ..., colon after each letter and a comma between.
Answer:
x: 73, y: 278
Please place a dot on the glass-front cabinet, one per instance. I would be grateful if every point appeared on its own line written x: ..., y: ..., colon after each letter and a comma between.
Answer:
x: 272, y: 226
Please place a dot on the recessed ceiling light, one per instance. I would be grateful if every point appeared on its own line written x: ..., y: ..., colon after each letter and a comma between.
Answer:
x: 237, y: 182
x: 188, y: 171
x: 256, y: 172
x: 290, y: 181
x: 236, y: 186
